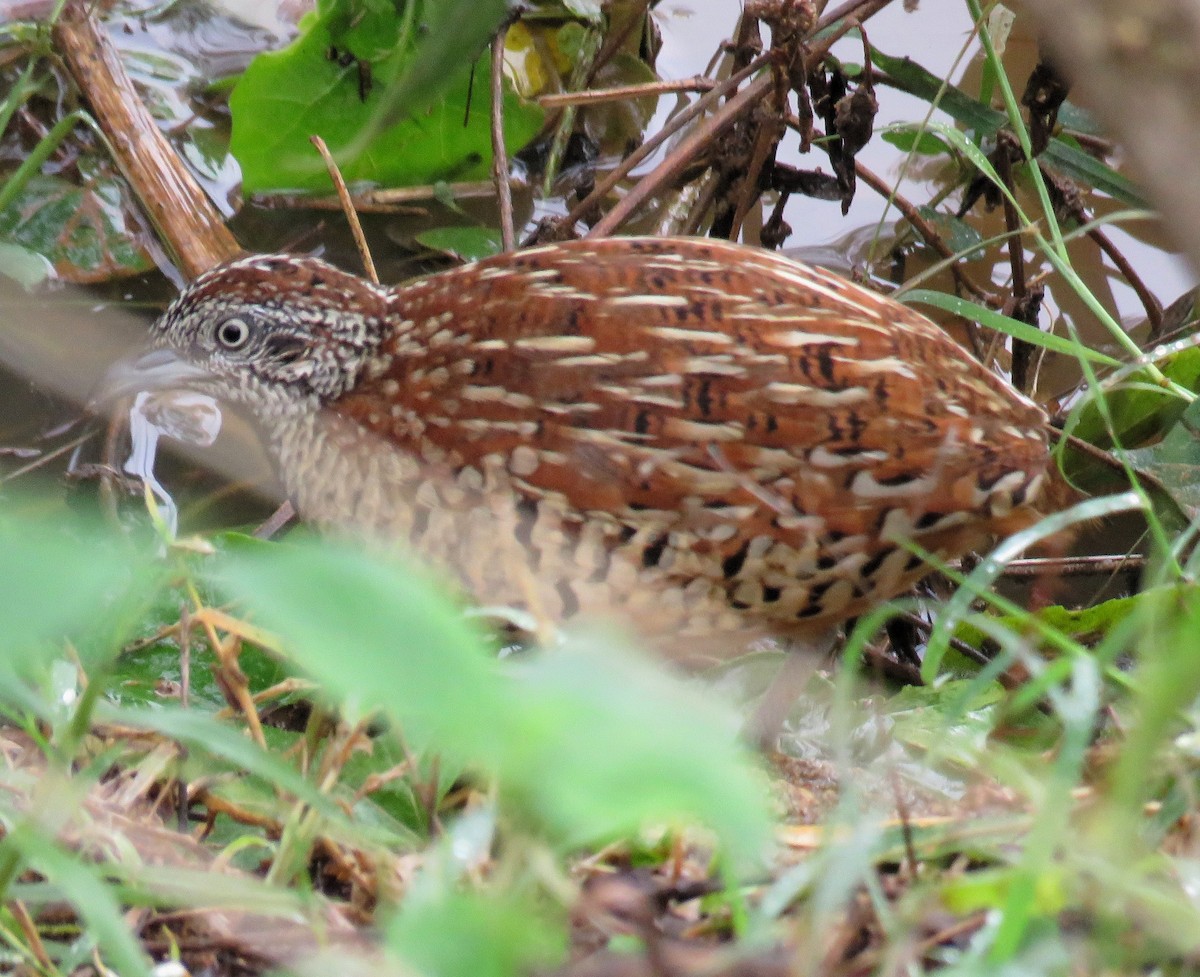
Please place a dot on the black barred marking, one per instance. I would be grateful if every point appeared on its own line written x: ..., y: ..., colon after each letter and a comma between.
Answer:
x: 527, y: 514
x: 871, y: 567
x: 732, y: 565
x: 986, y: 482
x: 654, y: 551
x: 858, y: 426
x: 893, y: 481
x: 771, y: 594
x: 819, y: 590
x: 825, y: 362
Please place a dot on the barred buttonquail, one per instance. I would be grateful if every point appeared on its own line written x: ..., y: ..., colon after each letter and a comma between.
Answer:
x: 687, y: 429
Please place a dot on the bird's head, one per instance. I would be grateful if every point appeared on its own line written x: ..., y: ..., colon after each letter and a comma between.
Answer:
x: 261, y: 329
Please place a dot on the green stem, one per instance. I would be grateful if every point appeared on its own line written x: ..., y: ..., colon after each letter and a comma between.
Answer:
x: 20, y: 92
x: 41, y: 152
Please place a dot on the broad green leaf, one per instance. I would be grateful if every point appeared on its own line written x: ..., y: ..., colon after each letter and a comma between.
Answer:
x: 66, y: 578
x: 1083, y: 624
x: 447, y: 35
x: 603, y: 741
x: 465, y: 243
x: 341, y: 77
x: 590, y: 10
x: 990, y: 889
x: 1175, y: 461
x: 137, y: 677
x: 586, y: 741
x: 376, y: 633
x: 1141, y: 410
x: 87, y: 232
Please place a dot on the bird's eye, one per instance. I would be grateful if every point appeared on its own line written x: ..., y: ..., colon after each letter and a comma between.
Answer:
x: 233, y: 334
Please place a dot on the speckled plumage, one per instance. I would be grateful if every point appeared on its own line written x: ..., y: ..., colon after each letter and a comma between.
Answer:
x: 685, y: 425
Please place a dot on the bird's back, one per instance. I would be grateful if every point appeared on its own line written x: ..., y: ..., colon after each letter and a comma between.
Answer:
x: 609, y: 422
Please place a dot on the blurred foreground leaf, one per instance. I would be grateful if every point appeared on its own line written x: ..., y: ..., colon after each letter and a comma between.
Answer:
x: 444, y: 933
x: 66, y: 578
x: 586, y: 740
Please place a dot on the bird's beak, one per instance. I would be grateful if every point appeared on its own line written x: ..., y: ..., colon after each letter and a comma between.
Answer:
x: 158, y: 369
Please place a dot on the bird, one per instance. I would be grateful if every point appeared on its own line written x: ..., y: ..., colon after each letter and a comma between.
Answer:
x: 702, y: 434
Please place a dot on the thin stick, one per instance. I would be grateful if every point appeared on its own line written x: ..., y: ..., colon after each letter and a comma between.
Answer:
x: 1076, y: 566
x: 360, y: 241
x: 386, y: 200
x: 176, y: 204
x: 703, y: 104
x: 508, y: 235
x: 682, y: 155
x: 622, y: 93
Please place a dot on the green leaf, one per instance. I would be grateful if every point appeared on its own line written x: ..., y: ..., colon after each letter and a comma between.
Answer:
x: 89, y: 232
x: 984, y: 121
x: 1141, y: 410
x: 1175, y: 461
x: 443, y: 933
x: 375, y: 632
x: 25, y: 267
x: 137, y: 677
x: 338, y: 81
x: 449, y: 33
x: 64, y: 577
x: 588, y: 742
x: 959, y: 236
x: 914, y: 139
x: 602, y: 741
x: 990, y: 889
x: 1005, y: 324
x: 591, y: 11
x: 464, y: 243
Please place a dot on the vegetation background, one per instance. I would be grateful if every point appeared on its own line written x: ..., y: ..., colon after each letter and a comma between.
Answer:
x: 236, y: 756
